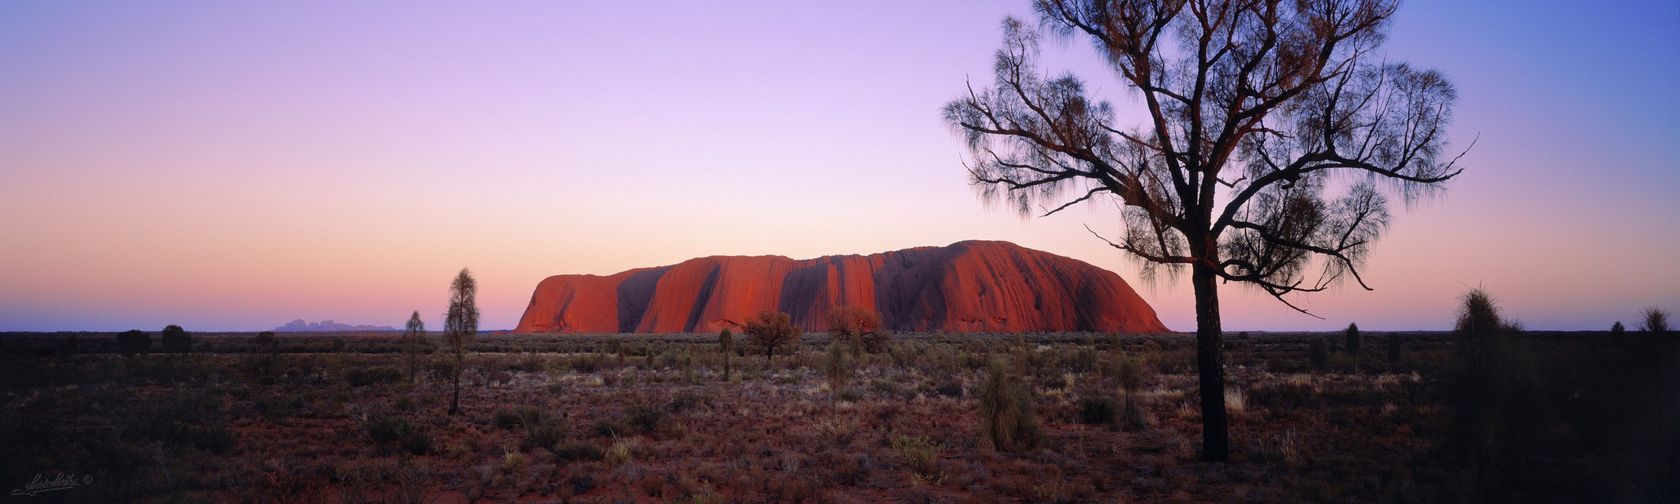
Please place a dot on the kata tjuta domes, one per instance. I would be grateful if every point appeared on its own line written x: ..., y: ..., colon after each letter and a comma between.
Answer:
x: 968, y: 286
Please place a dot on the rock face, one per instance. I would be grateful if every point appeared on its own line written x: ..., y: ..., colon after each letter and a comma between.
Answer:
x: 971, y: 286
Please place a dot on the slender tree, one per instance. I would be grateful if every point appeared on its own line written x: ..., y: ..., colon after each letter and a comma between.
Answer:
x: 413, y: 337
x: 1273, y: 134
x: 460, y: 323
x: 726, y: 343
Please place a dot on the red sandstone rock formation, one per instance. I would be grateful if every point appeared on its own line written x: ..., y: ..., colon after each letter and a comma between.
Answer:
x: 971, y: 286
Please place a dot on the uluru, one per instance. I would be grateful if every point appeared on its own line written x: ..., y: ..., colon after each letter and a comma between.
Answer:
x: 969, y: 286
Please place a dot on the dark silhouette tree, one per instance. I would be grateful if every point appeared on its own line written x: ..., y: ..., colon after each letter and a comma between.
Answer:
x: 1656, y: 321
x: 176, y: 340
x: 1352, y: 342
x: 771, y: 329
x: 413, y: 337
x: 460, y: 323
x: 1252, y: 107
x: 134, y: 341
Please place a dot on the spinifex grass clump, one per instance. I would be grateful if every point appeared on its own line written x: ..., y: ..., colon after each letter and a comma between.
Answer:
x: 1008, y: 417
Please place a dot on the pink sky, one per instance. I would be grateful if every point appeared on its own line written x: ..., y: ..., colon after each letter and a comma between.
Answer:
x: 234, y: 167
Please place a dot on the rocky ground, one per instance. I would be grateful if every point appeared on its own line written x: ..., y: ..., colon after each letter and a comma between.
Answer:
x: 653, y: 419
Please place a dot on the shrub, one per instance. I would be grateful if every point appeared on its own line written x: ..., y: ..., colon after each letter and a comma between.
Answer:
x: 836, y: 369
x: 1319, y: 354
x: 546, y: 435
x: 570, y: 452
x: 517, y: 417
x: 265, y: 340
x: 364, y: 376
x: 920, y: 454
x: 859, y: 326
x: 1099, y: 410
x: 1656, y: 321
x: 644, y: 418
x: 176, y: 340
x: 391, y: 431
x: 134, y: 341
x: 1393, y: 349
x: 772, y: 330
x: 1353, y: 340
x: 1008, y: 417
x: 1617, y: 329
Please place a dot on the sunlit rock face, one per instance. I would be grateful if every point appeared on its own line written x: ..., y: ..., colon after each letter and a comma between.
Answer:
x: 971, y: 286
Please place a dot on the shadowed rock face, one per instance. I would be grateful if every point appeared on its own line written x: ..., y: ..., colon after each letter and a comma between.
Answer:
x: 970, y: 286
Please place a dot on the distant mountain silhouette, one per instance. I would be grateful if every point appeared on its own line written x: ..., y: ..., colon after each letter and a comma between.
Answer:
x: 970, y: 286
x: 327, y: 326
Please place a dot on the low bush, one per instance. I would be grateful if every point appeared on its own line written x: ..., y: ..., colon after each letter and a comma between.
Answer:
x: 133, y: 342
x: 577, y: 452
x: 517, y: 417
x: 176, y: 340
x: 644, y: 418
x: 1008, y: 416
x: 1098, y: 410
x: 546, y: 435
x: 1318, y: 354
x: 920, y: 454
x: 388, y: 432
x: 364, y: 376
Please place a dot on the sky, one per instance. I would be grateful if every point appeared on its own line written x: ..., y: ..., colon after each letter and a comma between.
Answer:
x: 231, y: 166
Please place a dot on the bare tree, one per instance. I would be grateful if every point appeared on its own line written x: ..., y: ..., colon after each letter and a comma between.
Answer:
x: 413, y: 337
x: 460, y: 323
x: 1252, y: 107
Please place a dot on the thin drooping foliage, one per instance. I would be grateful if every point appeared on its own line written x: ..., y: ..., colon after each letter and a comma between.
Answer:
x: 414, y: 336
x: 460, y: 324
x: 1273, y: 136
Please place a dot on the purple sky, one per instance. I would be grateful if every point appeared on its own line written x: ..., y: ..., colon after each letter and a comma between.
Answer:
x: 233, y: 166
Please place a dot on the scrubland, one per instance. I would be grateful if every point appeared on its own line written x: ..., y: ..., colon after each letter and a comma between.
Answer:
x: 651, y: 418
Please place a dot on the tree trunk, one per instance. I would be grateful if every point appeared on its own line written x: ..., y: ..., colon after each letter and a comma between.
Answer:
x: 455, y: 401
x: 1210, y: 364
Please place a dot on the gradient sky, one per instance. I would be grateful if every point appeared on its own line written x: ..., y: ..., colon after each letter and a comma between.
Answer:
x: 235, y: 165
